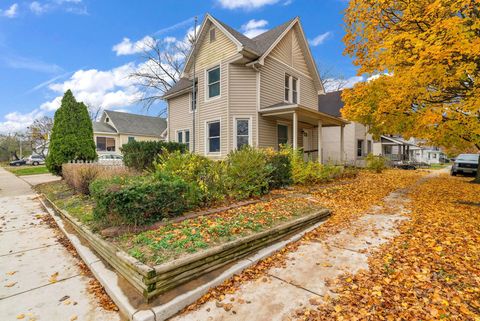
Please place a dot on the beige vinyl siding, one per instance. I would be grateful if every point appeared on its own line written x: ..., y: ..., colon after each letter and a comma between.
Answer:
x: 298, y: 57
x: 242, y: 99
x: 283, y: 50
x: 272, y: 85
x: 179, y: 116
x: 123, y: 138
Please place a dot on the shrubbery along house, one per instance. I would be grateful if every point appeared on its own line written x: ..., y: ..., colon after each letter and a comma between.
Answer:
x: 260, y: 91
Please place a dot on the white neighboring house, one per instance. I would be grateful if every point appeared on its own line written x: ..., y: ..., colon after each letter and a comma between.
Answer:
x: 117, y: 128
x: 358, y: 143
x: 395, y: 148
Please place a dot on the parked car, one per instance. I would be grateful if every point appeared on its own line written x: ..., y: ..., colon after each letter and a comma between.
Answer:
x: 18, y: 162
x: 110, y: 158
x: 35, y: 160
x: 465, y: 164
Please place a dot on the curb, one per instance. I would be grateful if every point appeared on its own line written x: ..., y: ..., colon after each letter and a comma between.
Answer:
x: 109, y: 279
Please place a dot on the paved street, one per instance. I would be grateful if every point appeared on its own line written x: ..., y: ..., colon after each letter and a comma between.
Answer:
x: 39, y: 278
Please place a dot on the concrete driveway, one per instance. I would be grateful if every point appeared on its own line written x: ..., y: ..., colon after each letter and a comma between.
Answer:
x: 39, y: 278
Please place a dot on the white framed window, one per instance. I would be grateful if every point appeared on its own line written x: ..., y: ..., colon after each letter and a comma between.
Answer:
x: 193, y: 100
x: 213, y: 136
x: 183, y: 137
x: 213, y: 82
x: 359, y: 147
x: 131, y: 139
x: 282, y: 134
x: 292, y: 87
x: 105, y: 144
x: 242, y: 133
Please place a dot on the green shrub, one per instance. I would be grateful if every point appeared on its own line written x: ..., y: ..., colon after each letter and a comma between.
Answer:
x: 281, y: 174
x: 140, y: 155
x: 209, y: 175
x: 376, y: 163
x: 248, y: 173
x: 72, y: 135
x: 142, y: 199
x: 79, y: 176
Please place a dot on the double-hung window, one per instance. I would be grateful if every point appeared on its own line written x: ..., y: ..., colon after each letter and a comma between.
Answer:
x: 291, y: 89
x: 193, y: 99
x: 183, y: 137
x: 213, y: 81
x: 105, y: 144
x: 242, y: 132
x: 213, y: 138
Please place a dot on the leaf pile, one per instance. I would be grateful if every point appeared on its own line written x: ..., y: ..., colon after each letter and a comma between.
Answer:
x: 348, y: 199
x: 431, y: 271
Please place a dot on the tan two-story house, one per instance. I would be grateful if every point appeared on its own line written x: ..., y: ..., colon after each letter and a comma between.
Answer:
x: 260, y: 91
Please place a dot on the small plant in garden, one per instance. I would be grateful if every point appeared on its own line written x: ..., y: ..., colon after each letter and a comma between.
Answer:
x: 281, y: 174
x: 376, y: 163
x: 248, y: 173
x: 141, y: 155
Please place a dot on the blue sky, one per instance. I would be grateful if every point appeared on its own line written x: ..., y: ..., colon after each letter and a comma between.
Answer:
x: 47, y: 46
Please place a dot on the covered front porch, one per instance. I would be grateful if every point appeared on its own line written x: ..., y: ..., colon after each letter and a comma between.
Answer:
x: 306, y: 128
x: 396, y: 149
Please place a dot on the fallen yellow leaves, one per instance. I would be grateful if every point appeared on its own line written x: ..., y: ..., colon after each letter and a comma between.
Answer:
x: 430, y: 271
x: 53, y: 278
x: 10, y: 284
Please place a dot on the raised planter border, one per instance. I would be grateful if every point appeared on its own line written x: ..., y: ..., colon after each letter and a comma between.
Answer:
x: 153, y: 281
x: 109, y: 279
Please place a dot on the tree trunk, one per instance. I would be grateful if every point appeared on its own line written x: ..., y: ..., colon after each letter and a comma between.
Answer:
x: 477, y: 178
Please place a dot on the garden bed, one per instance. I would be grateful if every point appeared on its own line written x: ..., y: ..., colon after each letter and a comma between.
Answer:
x: 158, y: 260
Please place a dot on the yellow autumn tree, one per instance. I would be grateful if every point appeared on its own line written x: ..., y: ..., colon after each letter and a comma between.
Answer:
x: 425, y: 55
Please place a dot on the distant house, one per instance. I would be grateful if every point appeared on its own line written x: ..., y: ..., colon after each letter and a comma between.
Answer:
x: 396, y: 148
x: 116, y: 129
x: 261, y: 91
x: 357, y: 141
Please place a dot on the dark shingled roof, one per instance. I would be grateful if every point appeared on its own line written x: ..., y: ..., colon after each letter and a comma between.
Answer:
x: 137, y: 124
x: 259, y: 45
x: 101, y: 127
x: 182, y: 83
x: 331, y: 103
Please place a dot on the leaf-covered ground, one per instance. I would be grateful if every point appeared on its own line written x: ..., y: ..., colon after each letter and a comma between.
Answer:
x: 191, y: 235
x: 431, y: 271
x: 348, y: 198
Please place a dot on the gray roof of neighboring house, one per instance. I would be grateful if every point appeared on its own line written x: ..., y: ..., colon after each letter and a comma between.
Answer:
x: 101, y: 127
x: 331, y: 103
x: 137, y: 124
x: 259, y: 44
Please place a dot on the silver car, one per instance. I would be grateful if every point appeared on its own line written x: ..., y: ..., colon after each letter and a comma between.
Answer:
x: 465, y: 164
x: 35, y: 160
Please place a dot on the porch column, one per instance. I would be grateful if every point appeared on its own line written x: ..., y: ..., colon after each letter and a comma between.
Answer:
x: 295, y: 130
x: 342, y: 143
x: 319, y: 141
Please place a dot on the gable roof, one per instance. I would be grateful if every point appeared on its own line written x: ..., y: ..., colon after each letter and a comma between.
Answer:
x: 331, y: 103
x: 260, y: 46
x: 125, y: 123
x: 101, y: 127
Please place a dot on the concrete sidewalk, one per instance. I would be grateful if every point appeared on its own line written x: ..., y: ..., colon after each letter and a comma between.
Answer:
x: 39, y: 278
x: 305, y: 278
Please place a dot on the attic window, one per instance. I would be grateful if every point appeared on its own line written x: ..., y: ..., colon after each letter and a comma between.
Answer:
x: 213, y: 36
x: 107, y: 119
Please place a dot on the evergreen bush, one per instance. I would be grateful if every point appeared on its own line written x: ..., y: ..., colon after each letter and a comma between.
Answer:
x: 72, y: 135
x: 140, y: 155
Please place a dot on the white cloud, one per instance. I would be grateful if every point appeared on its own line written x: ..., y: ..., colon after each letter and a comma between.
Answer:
x: 320, y: 39
x: 17, y: 122
x: 19, y: 62
x: 127, y: 47
x: 245, y: 4
x: 38, y: 8
x: 254, y: 27
x: 11, y: 12
x: 334, y: 84
x: 97, y: 88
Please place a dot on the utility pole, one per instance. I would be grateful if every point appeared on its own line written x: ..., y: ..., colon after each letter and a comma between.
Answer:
x: 194, y: 94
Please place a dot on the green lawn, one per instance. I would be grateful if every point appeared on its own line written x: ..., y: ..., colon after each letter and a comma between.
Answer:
x: 438, y: 166
x: 27, y: 170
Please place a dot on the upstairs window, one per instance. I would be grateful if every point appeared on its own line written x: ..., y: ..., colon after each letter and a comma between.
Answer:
x: 213, y: 35
x: 213, y: 81
x: 291, y: 89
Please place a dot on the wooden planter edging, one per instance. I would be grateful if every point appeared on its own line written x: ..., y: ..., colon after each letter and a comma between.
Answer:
x: 153, y: 281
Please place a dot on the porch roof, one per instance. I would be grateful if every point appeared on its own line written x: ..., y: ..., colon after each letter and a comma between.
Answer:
x: 305, y: 114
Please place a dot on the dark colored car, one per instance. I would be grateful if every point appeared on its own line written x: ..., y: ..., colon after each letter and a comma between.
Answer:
x: 465, y: 164
x: 18, y: 162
